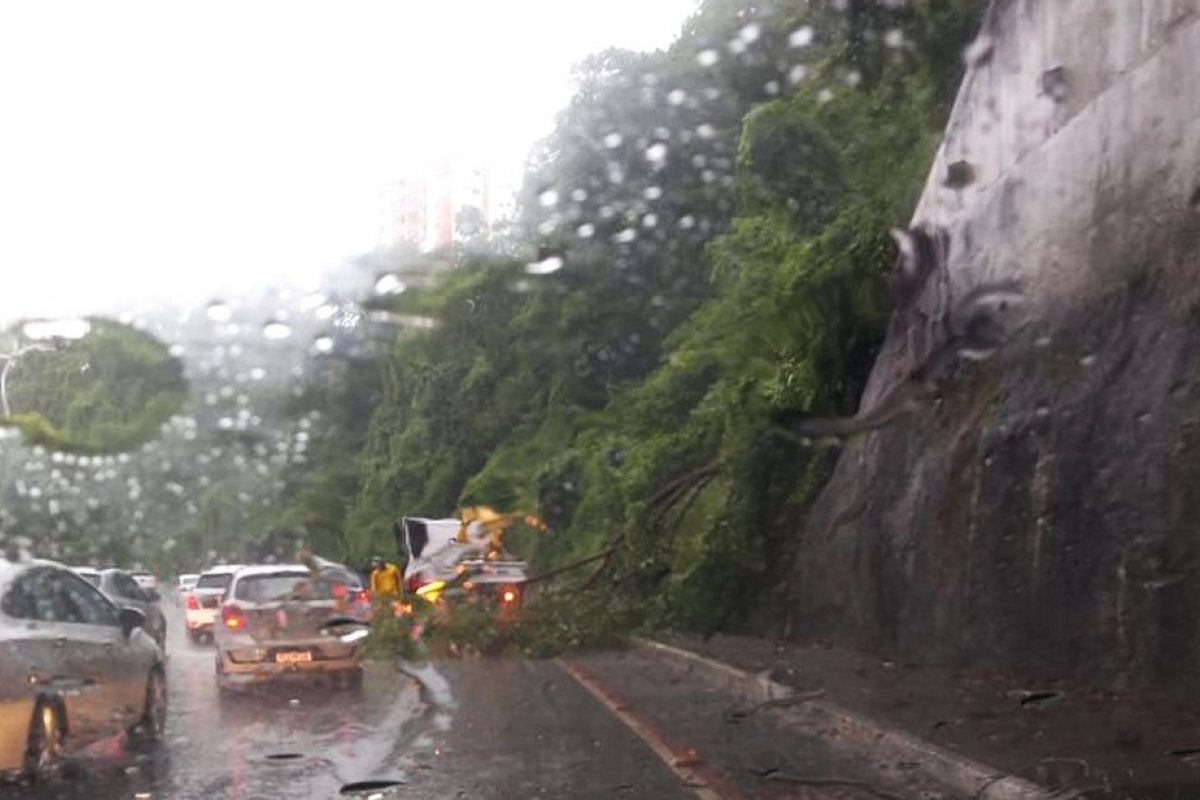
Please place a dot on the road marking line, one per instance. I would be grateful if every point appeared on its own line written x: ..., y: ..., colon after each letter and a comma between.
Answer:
x: 704, y: 780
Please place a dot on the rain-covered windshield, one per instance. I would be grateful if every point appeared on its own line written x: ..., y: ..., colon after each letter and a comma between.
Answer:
x: 297, y: 586
x: 719, y: 398
x: 216, y: 580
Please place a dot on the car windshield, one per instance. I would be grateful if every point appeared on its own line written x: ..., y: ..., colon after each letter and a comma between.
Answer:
x: 215, y: 580
x: 276, y: 587
x: 720, y: 398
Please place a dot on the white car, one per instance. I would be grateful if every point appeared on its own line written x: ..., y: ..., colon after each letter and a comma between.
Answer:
x: 74, y: 668
x: 145, y: 579
x: 203, y: 603
x: 273, y: 625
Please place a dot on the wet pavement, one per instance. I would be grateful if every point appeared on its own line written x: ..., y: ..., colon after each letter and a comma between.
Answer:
x: 462, y: 729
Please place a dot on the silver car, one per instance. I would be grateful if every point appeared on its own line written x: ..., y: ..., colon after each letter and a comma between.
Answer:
x: 120, y: 587
x: 74, y: 668
x: 272, y: 625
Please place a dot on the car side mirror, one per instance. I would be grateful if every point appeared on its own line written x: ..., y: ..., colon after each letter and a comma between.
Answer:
x: 130, y: 618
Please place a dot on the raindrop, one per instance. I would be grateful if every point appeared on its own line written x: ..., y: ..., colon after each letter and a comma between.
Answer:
x: 894, y: 38
x: 657, y: 154
x: 548, y: 198
x: 853, y: 78
x: 737, y: 46
x: 750, y: 33
x: 824, y: 96
x: 626, y: 236
x: 801, y: 37
x: 257, y: 374
x: 652, y: 193
x: 390, y: 284
x: 706, y: 58
x: 545, y: 266
x: 650, y: 220
x: 687, y: 222
x: 1042, y: 341
x: 1042, y: 412
x: 276, y: 330
x: 613, y: 140
x: 706, y: 131
x: 586, y: 230
x: 771, y: 87
x: 676, y: 97
x: 1087, y: 361
x: 979, y: 51
x: 323, y: 344
x: 551, y: 225
x: 579, y: 195
x: 177, y: 351
x: 218, y: 312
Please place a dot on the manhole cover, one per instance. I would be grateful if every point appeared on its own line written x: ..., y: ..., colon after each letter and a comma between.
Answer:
x: 370, y: 788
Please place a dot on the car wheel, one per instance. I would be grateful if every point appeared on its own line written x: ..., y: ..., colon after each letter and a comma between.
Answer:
x: 43, y: 750
x: 154, y: 714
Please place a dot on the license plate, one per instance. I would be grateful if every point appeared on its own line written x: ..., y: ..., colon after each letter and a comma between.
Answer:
x: 299, y: 657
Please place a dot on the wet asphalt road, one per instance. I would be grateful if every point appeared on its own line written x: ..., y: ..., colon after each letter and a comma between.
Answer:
x: 504, y: 729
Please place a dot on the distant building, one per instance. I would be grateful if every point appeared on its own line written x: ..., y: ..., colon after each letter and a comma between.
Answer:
x: 443, y: 200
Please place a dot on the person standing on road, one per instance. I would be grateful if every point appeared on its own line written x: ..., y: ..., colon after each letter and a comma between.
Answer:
x: 385, y: 578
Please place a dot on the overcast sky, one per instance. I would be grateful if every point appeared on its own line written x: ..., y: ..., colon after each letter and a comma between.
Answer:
x: 195, y: 147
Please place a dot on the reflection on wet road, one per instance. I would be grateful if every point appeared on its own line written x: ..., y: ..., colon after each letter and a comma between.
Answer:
x: 495, y: 729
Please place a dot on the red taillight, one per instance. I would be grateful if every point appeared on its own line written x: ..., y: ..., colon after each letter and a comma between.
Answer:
x: 509, y: 596
x: 363, y: 596
x: 232, y: 617
x: 338, y: 591
x: 191, y: 602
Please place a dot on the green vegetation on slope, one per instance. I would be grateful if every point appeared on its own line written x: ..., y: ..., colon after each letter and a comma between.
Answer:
x: 712, y: 229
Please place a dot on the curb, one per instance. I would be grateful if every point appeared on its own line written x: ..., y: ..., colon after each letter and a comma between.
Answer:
x: 830, y: 721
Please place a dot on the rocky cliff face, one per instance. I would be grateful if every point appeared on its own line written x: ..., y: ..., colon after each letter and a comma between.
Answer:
x: 1044, y: 514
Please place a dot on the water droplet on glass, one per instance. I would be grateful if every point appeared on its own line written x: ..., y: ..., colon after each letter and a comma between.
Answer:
x: 652, y: 193
x: 390, y: 284
x: 586, y: 230
x: 657, y: 153
x: 824, y: 96
x: 1087, y: 360
x: 323, y: 344
x: 706, y: 131
x: 801, y: 37
x: 750, y: 33
x: 706, y: 58
x: 579, y: 195
x: 676, y: 97
x: 650, y: 220
x: 979, y: 51
x: 548, y: 198
x: 276, y: 330
x: 771, y: 87
x: 894, y: 38
x: 687, y: 222
x: 626, y: 236
x: 613, y: 140
x: 545, y: 266
x: 1042, y: 412
x: 326, y: 312
x: 853, y: 78
x: 736, y: 46
x: 218, y: 312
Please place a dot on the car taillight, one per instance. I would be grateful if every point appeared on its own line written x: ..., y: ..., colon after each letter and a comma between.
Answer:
x: 509, y: 595
x: 338, y: 591
x: 232, y: 617
x: 363, y: 596
x: 191, y: 602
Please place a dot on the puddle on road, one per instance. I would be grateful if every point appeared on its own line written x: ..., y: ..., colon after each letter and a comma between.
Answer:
x: 373, y: 789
